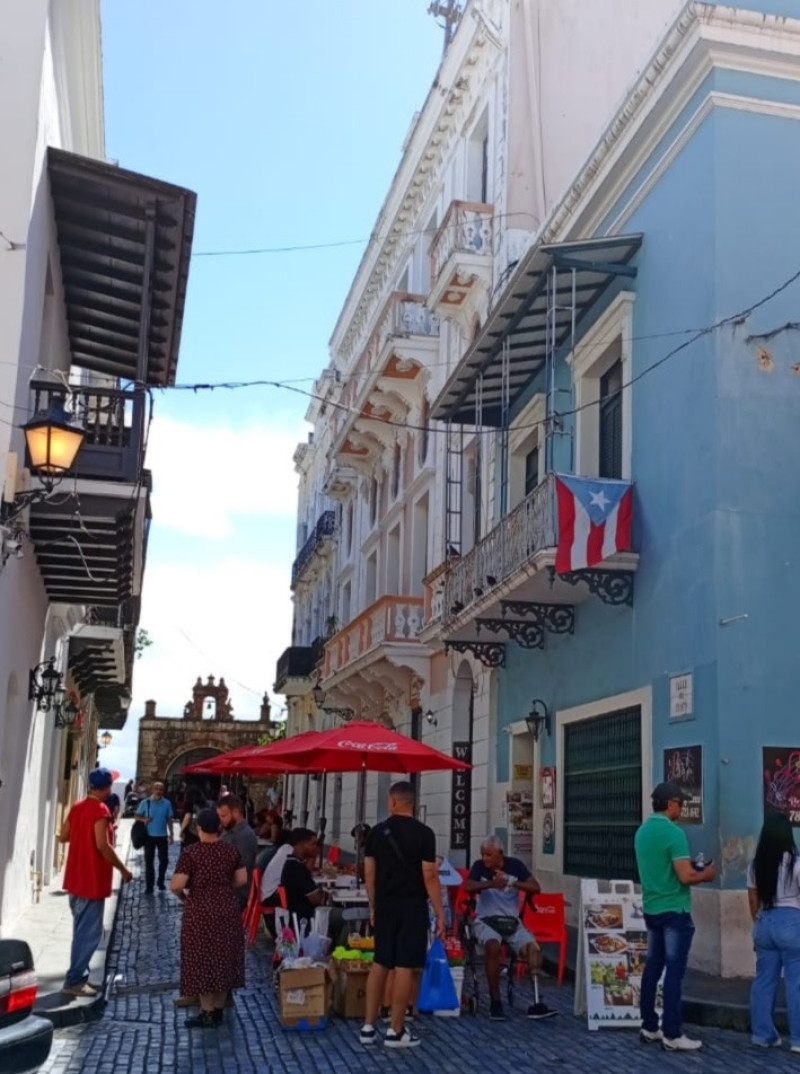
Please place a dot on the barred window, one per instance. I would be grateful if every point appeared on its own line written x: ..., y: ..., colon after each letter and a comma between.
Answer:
x: 602, y: 795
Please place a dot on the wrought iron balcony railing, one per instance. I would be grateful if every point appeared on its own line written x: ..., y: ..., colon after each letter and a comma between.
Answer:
x: 324, y: 529
x: 296, y: 662
x: 514, y: 541
x: 467, y: 228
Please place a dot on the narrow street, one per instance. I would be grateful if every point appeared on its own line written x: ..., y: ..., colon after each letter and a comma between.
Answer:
x: 142, y: 1032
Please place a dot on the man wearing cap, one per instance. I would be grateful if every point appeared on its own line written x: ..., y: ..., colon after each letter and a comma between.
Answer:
x: 87, y: 877
x: 667, y: 875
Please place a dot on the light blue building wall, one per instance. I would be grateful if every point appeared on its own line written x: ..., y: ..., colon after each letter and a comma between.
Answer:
x: 715, y: 465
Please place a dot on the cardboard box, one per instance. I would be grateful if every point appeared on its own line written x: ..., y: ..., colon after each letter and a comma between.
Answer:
x: 350, y: 995
x: 306, y: 997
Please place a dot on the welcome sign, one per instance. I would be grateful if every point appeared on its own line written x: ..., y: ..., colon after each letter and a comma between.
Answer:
x: 461, y: 799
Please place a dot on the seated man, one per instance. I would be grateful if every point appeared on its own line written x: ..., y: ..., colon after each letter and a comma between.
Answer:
x: 498, y: 881
x: 303, y: 896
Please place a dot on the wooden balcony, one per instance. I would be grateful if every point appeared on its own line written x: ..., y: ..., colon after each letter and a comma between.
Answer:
x: 461, y: 258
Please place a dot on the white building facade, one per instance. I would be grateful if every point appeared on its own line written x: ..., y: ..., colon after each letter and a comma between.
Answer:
x: 93, y: 267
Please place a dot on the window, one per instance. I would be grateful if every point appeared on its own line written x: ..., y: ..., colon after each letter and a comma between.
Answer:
x: 478, y: 162
x: 610, y: 445
x: 423, y: 438
x: 371, y: 580
x: 374, y: 497
x: 346, y: 603
x: 393, y: 553
x: 601, y: 365
x: 397, y: 469
x: 350, y: 519
x: 602, y: 794
x: 531, y: 470
x: 419, y: 552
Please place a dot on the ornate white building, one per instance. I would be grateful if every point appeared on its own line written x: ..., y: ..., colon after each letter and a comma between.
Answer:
x: 523, y: 94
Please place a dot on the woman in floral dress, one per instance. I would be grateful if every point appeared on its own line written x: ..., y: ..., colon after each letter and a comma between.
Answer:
x: 212, y: 936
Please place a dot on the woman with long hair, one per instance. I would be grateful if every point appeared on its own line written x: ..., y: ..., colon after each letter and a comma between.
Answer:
x: 193, y: 803
x: 212, y: 939
x: 773, y: 892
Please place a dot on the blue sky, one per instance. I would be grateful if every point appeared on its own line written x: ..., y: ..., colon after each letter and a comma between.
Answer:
x: 287, y: 119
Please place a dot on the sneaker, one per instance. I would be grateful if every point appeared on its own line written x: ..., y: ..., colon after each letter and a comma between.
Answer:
x: 368, y: 1034
x: 795, y: 1048
x: 539, y: 1011
x: 83, y: 990
x: 650, y: 1036
x: 406, y: 1039
x: 776, y: 1042
x: 680, y: 1044
x: 496, y: 1012
x: 203, y: 1020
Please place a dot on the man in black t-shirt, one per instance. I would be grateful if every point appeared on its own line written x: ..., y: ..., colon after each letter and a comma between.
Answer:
x: 401, y: 874
x: 303, y: 896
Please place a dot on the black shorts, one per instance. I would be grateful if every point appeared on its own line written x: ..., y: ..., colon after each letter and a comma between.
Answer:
x: 401, y: 936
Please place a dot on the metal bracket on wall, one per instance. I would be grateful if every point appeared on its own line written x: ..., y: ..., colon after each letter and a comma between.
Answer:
x: 557, y: 618
x: 526, y: 634
x: 612, y: 587
x: 492, y: 654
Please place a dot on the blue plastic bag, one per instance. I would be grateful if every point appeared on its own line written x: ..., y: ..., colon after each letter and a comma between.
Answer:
x: 437, y: 991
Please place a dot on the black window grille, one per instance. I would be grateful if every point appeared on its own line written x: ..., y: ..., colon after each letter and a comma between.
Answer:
x: 611, y: 422
x: 602, y: 795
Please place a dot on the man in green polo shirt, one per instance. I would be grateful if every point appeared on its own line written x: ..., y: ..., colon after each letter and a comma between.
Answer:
x: 667, y: 873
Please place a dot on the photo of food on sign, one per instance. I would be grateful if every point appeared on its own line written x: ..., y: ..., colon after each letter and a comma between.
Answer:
x: 604, y: 916
x: 620, y: 989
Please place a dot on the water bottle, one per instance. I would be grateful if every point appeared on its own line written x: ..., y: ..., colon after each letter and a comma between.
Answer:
x: 700, y: 862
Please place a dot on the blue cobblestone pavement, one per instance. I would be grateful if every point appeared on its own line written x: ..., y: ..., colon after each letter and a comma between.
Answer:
x: 141, y: 1031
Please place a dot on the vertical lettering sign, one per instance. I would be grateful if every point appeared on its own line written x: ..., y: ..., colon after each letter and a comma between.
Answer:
x: 461, y: 805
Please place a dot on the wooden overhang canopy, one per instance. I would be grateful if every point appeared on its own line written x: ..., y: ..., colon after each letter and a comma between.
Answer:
x: 584, y: 270
x: 125, y: 242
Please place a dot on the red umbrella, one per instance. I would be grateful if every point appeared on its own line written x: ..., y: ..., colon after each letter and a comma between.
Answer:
x: 238, y: 761
x: 355, y: 747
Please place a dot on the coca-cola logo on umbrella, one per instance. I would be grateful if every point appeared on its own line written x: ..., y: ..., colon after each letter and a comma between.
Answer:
x: 383, y: 747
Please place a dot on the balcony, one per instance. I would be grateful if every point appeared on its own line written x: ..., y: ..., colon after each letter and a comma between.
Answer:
x: 386, y: 385
x: 296, y: 667
x: 507, y: 584
x: 318, y: 541
x: 114, y: 424
x: 461, y: 260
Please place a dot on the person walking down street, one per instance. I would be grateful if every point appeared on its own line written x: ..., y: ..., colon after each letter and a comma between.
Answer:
x: 156, y: 812
x: 87, y: 878
x: 206, y: 880
x: 401, y: 874
x: 667, y: 875
x: 239, y: 833
x: 193, y: 803
x: 773, y: 892
x: 498, y: 882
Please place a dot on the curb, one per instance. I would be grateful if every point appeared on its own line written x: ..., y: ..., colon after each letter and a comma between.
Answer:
x: 80, y: 1012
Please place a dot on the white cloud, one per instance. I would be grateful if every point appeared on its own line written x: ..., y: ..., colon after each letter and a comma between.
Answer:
x: 205, y: 477
x: 237, y: 612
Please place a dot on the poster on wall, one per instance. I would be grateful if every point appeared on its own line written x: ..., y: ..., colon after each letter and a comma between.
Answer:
x: 684, y: 765
x: 548, y: 832
x: 781, y: 766
x: 547, y: 786
x: 612, y: 951
x: 519, y: 813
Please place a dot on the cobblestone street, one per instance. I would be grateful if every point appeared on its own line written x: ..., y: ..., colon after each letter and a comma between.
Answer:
x: 141, y: 1031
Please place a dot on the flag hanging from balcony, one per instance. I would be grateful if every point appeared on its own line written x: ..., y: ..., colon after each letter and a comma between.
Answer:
x: 594, y: 520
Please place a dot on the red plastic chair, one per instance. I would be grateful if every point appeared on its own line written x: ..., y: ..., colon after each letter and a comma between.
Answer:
x: 254, y: 912
x: 548, y: 923
x: 334, y: 853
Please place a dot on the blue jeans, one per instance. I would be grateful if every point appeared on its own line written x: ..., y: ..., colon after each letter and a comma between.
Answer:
x: 87, y: 932
x: 669, y: 937
x: 776, y: 938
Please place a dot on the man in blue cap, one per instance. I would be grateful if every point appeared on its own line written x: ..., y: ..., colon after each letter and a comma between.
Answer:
x: 87, y: 877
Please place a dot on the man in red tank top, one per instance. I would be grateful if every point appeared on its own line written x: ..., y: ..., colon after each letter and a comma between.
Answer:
x: 87, y: 877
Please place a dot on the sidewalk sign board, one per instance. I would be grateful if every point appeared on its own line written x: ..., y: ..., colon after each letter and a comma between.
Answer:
x: 612, y: 948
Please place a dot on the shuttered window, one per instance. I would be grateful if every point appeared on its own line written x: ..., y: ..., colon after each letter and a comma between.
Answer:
x: 602, y: 795
x: 531, y: 471
x: 611, y: 422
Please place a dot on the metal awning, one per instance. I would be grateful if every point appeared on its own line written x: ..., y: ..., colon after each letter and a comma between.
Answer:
x: 584, y: 269
x: 125, y: 241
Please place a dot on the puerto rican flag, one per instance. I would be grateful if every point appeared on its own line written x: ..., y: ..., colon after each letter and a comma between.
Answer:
x: 594, y: 520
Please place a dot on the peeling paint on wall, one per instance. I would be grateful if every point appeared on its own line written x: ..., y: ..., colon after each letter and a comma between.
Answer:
x: 765, y: 361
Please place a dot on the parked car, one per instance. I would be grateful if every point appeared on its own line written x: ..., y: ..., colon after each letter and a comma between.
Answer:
x: 25, y: 1039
